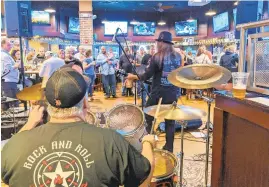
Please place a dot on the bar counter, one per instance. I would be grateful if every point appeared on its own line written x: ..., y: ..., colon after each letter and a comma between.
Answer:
x: 240, y: 155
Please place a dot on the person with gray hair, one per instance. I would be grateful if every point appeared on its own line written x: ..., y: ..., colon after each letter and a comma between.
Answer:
x: 81, y: 54
x: 49, y: 66
x: 68, y: 150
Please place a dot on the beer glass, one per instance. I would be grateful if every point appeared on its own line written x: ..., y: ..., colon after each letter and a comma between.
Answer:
x: 240, y: 80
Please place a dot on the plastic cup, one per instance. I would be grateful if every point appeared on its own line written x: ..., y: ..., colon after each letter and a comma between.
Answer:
x: 240, y: 80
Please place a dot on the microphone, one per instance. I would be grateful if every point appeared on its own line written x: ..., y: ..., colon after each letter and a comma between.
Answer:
x: 115, y: 35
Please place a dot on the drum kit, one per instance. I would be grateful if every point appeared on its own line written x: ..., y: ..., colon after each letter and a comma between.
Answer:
x: 129, y: 120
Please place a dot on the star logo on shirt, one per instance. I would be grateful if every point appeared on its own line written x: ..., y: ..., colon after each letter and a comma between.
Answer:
x: 58, y: 176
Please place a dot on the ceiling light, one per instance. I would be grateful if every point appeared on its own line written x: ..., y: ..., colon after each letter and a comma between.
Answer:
x: 190, y: 19
x: 134, y: 22
x: 161, y: 22
x: 50, y: 10
x: 236, y: 3
x: 211, y: 13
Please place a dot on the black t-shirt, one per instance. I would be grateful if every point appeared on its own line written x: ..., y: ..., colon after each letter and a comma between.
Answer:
x: 72, y: 154
x: 125, y: 65
x: 160, y: 70
x: 145, y: 59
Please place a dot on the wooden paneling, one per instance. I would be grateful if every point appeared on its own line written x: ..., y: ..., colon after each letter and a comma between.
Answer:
x: 240, y: 144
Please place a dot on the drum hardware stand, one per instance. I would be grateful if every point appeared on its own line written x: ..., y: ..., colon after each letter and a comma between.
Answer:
x: 133, y: 67
x: 181, y: 155
x: 156, y: 115
x: 209, y: 101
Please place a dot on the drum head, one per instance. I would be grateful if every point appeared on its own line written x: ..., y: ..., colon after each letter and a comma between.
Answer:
x: 165, y: 164
x: 126, y: 119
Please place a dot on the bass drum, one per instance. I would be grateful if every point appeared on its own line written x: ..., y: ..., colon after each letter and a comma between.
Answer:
x: 165, y: 168
x: 129, y: 121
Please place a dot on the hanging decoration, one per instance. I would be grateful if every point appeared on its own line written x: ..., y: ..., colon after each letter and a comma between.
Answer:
x: 55, y: 40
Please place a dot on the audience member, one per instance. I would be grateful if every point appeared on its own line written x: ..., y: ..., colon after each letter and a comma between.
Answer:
x: 9, y: 71
x: 108, y: 72
x: 201, y: 57
x: 81, y: 54
x: 40, y: 57
x: 89, y: 70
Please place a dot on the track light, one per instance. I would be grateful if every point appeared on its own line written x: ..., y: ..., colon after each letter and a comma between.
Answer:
x: 161, y: 22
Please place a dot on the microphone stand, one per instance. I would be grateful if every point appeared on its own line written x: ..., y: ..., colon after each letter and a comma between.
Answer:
x: 134, y: 69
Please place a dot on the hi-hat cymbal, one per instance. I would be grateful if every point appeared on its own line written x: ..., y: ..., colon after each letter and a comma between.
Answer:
x: 175, y: 112
x: 199, y: 76
x: 33, y: 93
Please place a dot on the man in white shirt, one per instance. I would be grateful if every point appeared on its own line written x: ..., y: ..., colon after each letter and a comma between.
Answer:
x: 9, y: 71
x: 50, y: 65
x: 81, y: 54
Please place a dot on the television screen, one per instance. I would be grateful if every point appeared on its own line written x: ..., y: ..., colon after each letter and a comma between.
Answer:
x: 40, y: 17
x: 73, y: 25
x: 144, y: 29
x: 221, y: 22
x: 186, y: 28
x: 111, y: 27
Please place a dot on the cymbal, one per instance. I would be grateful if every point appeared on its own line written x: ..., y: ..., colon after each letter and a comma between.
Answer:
x: 175, y: 112
x: 33, y: 93
x: 199, y: 76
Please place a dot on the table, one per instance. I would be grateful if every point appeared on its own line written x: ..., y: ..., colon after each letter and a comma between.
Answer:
x: 240, y: 154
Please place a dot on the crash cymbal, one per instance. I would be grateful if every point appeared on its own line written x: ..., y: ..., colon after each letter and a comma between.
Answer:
x: 175, y: 112
x: 199, y: 76
x: 33, y: 93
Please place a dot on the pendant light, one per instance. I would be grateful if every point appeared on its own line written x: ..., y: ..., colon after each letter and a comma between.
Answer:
x: 161, y: 22
x: 190, y: 19
x: 134, y: 22
x: 50, y: 9
x: 211, y: 12
x: 104, y: 20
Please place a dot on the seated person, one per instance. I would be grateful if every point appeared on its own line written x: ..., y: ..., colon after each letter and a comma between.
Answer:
x: 67, y: 151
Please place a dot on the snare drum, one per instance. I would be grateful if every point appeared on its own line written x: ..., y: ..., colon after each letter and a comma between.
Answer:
x: 165, y: 168
x: 91, y: 118
x: 129, y: 121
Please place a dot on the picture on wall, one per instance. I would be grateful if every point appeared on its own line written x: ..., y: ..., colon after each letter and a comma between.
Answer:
x: 40, y: 17
x: 186, y: 28
x: 73, y: 25
x: 144, y: 29
x: 221, y: 22
x: 111, y: 27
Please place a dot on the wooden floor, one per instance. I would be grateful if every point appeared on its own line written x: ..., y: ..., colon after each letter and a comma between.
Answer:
x: 193, y: 147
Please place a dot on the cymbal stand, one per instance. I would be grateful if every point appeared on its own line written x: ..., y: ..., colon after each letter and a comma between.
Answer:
x: 181, y: 155
x: 209, y: 101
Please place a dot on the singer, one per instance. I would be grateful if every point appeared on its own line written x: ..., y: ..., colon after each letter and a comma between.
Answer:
x: 162, y: 63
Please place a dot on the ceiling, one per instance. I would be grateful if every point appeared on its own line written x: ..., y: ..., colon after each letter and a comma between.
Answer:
x: 147, y: 6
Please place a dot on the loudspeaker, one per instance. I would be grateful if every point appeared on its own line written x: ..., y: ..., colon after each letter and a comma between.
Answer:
x: 18, y: 18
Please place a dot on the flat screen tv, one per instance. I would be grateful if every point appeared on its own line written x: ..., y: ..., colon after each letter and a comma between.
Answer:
x: 221, y: 22
x: 186, y: 28
x: 40, y: 17
x: 111, y: 27
x: 73, y: 25
x: 144, y: 29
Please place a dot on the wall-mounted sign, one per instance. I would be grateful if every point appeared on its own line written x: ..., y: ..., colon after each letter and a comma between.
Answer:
x: 86, y: 28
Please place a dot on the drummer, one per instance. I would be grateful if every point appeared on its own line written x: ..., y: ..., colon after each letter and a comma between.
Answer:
x: 68, y: 151
x: 162, y: 63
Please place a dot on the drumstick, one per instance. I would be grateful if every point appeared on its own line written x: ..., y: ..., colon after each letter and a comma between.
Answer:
x: 156, y: 115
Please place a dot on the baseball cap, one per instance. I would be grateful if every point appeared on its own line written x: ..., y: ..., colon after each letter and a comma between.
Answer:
x: 65, y: 88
